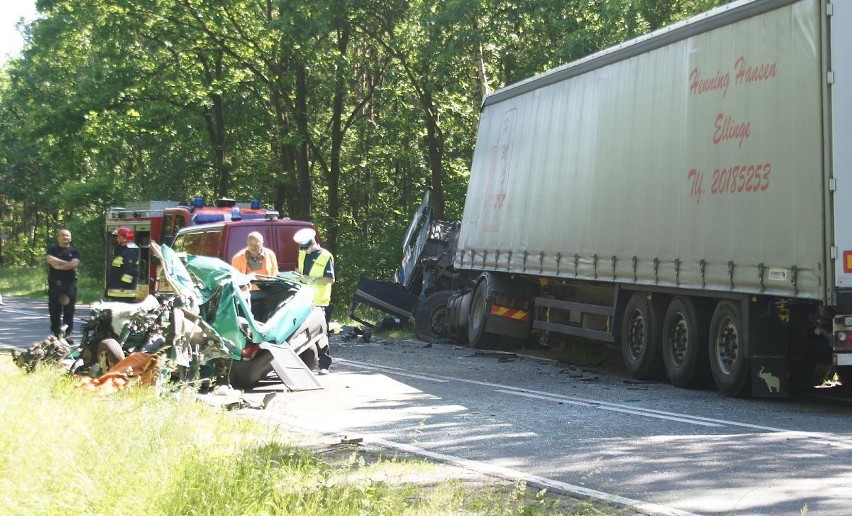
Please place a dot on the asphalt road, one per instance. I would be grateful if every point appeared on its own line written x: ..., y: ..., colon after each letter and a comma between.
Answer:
x: 648, y: 446
x: 24, y: 322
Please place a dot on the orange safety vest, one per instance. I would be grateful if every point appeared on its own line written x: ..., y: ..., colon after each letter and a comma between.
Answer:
x: 269, y: 267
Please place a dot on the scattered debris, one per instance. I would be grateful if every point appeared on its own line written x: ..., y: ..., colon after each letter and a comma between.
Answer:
x: 52, y: 349
x: 138, y: 368
x: 503, y: 355
x: 589, y: 379
x: 354, y: 332
x: 268, y: 399
x: 640, y: 382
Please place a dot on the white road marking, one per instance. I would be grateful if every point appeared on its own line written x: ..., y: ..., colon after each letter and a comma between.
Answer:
x: 605, y: 406
x: 615, y: 407
x: 492, y: 469
x: 515, y: 475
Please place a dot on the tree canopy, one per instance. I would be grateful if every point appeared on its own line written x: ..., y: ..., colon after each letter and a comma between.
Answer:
x: 337, y: 111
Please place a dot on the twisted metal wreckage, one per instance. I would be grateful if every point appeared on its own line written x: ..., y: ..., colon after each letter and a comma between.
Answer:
x: 208, y: 326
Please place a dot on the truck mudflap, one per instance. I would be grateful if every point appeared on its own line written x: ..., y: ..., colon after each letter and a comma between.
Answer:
x: 386, y: 296
x: 500, y: 324
x: 768, y: 353
x: 769, y: 376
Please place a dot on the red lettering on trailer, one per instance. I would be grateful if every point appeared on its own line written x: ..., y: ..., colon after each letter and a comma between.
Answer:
x: 747, y: 73
x: 699, y: 85
x: 728, y: 128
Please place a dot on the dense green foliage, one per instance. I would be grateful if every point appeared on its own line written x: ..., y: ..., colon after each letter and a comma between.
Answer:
x: 336, y: 111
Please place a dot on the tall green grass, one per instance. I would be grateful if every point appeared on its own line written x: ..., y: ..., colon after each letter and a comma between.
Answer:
x: 63, y: 451
x: 31, y: 282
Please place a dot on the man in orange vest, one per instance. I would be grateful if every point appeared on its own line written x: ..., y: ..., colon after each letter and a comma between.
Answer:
x: 255, y: 259
x: 316, y: 267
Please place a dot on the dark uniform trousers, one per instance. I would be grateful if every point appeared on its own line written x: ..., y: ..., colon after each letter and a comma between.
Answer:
x: 61, y: 300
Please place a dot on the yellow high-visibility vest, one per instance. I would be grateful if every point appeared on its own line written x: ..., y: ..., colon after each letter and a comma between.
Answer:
x: 322, y: 292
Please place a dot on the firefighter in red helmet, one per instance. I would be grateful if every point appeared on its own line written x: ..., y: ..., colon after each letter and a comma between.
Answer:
x: 123, y: 270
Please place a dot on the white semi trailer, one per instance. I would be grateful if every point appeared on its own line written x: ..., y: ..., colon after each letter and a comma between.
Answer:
x: 686, y: 194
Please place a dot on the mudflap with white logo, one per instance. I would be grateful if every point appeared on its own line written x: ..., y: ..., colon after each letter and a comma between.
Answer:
x: 769, y: 377
x: 769, y: 351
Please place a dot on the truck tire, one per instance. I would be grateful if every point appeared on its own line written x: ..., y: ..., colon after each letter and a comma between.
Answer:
x: 431, y: 318
x: 477, y: 337
x: 728, y: 350
x: 109, y: 353
x: 641, y: 347
x: 685, y: 344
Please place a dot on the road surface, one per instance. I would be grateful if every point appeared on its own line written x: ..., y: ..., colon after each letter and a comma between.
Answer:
x: 648, y: 447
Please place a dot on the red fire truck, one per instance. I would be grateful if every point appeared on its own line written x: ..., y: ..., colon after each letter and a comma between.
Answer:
x: 158, y: 221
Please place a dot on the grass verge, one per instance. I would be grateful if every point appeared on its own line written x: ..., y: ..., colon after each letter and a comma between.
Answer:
x: 31, y: 282
x: 63, y: 451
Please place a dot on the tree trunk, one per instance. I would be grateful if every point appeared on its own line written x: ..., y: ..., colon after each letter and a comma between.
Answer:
x: 435, y: 151
x: 333, y: 229
x: 303, y: 172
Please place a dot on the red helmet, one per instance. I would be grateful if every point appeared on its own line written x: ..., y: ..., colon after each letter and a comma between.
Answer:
x: 126, y: 233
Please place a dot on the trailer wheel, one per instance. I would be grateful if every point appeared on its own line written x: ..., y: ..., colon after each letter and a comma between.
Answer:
x: 728, y: 342
x: 109, y: 353
x: 685, y: 344
x: 431, y: 318
x: 640, y: 338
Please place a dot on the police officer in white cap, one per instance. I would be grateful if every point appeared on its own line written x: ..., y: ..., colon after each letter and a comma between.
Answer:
x: 316, y: 269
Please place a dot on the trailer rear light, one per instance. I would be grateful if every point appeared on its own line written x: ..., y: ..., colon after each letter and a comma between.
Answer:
x: 842, y: 340
x: 510, y: 302
x: 847, y: 261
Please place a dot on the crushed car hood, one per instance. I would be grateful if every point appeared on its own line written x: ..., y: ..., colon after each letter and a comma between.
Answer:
x: 220, y: 292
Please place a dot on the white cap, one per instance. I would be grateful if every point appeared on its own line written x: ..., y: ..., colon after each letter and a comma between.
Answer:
x: 304, y: 236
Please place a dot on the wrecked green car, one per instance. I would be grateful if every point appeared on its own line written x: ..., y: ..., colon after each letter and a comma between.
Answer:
x: 211, y: 323
x: 262, y: 326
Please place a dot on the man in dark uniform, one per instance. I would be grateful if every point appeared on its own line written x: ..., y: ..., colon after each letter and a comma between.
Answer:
x: 63, y: 260
x: 123, y: 270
